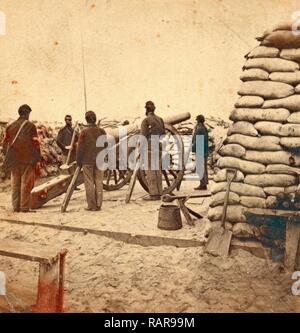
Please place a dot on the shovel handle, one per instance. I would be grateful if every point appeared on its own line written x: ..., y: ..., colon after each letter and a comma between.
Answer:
x: 229, y: 181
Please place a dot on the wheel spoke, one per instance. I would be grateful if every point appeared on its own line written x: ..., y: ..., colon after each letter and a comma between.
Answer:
x: 173, y: 173
x: 108, y: 177
x: 115, y: 177
x: 166, y: 178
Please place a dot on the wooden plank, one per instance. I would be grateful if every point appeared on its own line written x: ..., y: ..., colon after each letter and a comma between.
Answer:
x: 137, y: 239
x: 70, y: 190
x: 292, y: 237
x: 43, y: 193
x: 28, y: 251
x: 132, y: 182
x: 192, y: 212
x: 273, y: 212
x: 185, y: 212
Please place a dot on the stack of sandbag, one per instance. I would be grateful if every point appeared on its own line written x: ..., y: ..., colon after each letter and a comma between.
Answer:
x: 51, y: 154
x: 263, y: 142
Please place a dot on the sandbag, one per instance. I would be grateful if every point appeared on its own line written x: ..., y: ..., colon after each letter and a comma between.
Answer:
x: 264, y: 52
x: 242, y: 127
x: 266, y: 89
x: 268, y: 157
x: 289, y: 78
x: 290, y: 130
x: 233, y: 150
x: 274, y: 190
x: 252, y: 202
x: 272, y: 64
x: 249, y: 102
x: 244, y: 166
x: 282, y: 168
x: 254, y: 74
x: 271, y: 201
x: 282, y: 39
x: 234, y: 214
x: 218, y: 224
x: 270, y: 143
x: 220, y: 176
x: 245, y: 230
x: 297, y: 89
x: 268, y: 127
x: 264, y: 180
x: 254, y: 115
x: 292, y: 103
x: 294, y: 118
x: 219, y: 198
x: 290, y: 54
x: 290, y: 143
x: 285, y: 25
x: 240, y: 189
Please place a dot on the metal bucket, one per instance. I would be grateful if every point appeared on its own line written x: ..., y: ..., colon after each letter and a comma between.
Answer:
x: 169, y: 217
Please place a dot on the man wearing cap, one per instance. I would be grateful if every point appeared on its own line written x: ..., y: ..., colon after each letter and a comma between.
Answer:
x: 153, y: 125
x: 64, y: 139
x: 22, y: 153
x: 86, y: 156
x: 201, y: 130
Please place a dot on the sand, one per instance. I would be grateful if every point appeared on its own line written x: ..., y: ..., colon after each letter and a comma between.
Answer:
x: 107, y: 275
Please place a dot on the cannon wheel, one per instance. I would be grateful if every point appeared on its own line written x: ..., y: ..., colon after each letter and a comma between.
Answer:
x: 171, y: 178
x: 116, y: 179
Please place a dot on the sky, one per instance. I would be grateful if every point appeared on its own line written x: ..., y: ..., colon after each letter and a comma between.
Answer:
x: 184, y: 55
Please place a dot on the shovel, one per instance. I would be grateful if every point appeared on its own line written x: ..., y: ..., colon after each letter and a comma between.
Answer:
x: 219, y: 240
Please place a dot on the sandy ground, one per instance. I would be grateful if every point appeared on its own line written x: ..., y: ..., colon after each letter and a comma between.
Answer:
x: 107, y: 275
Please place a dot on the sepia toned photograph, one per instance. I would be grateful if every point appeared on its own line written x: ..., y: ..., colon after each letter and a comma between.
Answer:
x: 149, y: 158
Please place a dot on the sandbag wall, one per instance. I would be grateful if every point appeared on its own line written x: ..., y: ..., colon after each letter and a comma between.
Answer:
x: 263, y: 142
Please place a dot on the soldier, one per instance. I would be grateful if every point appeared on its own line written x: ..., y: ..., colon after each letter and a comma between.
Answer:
x: 64, y: 139
x: 153, y: 125
x: 22, y: 153
x: 86, y: 158
x: 201, y: 129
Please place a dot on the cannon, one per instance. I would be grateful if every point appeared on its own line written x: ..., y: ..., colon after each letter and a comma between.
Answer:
x: 116, y: 179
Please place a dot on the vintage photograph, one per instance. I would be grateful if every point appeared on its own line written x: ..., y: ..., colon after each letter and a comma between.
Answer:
x: 150, y: 157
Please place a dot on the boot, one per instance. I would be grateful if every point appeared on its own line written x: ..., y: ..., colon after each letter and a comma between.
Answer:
x: 201, y: 188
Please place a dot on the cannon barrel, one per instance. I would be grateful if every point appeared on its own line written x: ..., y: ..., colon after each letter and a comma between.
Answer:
x: 135, y: 128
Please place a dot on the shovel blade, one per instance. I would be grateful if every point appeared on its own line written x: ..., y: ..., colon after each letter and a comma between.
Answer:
x: 219, y: 242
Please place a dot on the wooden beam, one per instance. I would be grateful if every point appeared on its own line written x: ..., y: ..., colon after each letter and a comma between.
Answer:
x: 292, y: 238
x: 273, y: 212
x: 28, y: 251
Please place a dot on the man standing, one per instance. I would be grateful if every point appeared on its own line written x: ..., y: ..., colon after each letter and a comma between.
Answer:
x: 153, y: 125
x: 64, y: 139
x: 201, y: 130
x: 86, y: 158
x: 22, y: 150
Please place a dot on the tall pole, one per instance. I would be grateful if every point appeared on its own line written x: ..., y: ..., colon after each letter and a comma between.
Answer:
x: 83, y: 73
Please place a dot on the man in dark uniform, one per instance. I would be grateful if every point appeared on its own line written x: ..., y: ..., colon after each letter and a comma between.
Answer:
x: 64, y: 139
x: 201, y: 130
x: 153, y: 125
x: 87, y: 152
x: 22, y: 150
